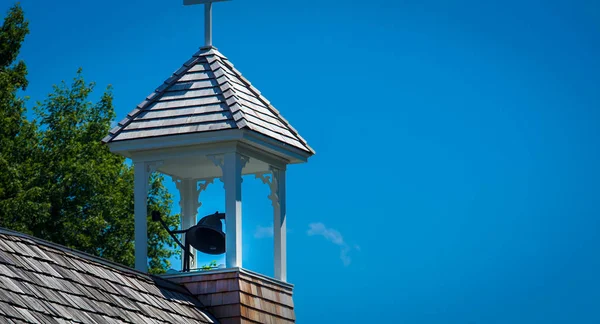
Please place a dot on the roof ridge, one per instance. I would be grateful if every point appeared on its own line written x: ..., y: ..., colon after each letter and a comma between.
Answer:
x: 265, y: 101
x: 160, y: 90
x: 238, y: 114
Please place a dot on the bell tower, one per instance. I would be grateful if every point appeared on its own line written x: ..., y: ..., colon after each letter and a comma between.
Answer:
x: 207, y: 122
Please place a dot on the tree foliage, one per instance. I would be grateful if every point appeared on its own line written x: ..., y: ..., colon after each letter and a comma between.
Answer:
x: 57, y: 180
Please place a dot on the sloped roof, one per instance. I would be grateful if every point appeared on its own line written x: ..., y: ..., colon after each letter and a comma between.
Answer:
x: 206, y: 94
x: 41, y: 282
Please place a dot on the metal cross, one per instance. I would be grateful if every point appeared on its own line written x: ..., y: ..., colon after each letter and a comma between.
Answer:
x: 207, y: 17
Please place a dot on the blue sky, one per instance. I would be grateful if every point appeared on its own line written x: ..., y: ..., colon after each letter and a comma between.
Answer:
x: 457, y: 170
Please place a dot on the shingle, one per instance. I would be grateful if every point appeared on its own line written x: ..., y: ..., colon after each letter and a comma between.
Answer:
x: 208, y: 79
x: 185, y: 111
x: 44, y: 283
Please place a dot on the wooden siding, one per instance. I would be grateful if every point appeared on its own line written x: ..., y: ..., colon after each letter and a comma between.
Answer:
x: 241, y: 297
x: 189, y: 97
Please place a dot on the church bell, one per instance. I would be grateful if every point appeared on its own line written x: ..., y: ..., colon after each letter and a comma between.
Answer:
x: 207, y: 236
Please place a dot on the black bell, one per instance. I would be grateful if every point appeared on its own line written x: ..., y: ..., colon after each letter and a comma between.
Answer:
x: 207, y: 236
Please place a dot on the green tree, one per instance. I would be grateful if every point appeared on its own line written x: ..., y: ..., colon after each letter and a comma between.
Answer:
x: 20, y: 199
x: 57, y: 180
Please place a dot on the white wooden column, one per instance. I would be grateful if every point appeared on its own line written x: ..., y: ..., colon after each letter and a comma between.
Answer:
x: 189, y: 202
x: 141, y: 175
x: 276, y: 182
x: 279, y: 225
x: 232, y: 164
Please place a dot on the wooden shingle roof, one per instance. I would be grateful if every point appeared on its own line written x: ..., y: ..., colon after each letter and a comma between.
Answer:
x: 41, y: 282
x: 206, y: 94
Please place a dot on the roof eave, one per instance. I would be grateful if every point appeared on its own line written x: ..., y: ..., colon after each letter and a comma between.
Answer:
x: 273, y: 146
x: 264, y: 143
x: 126, y: 147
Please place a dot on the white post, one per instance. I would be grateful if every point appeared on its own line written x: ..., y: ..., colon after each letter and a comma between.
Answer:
x: 279, y: 224
x: 140, y: 193
x: 189, y: 194
x: 232, y: 177
x: 208, y: 24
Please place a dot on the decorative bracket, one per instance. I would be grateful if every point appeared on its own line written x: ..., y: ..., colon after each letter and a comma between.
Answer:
x: 152, y: 166
x: 219, y: 161
x: 200, y: 185
x: 271, y: 179
x: 179, y: 186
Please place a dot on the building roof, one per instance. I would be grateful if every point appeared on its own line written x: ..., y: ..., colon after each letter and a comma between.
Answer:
x: 206, y: 94
x: 41, y: 282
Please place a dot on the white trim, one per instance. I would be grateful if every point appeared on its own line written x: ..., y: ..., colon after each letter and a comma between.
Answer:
x: 276, y: 182
x: 279, y: 224
x: 228, y: 270
x: 232, y: 164
x: 140, y: 193
x: 262, y: 143
x: 294, y: 155
x: 169, y: 141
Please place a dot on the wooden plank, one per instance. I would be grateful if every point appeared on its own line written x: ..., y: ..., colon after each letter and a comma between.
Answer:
x: 186, y: 103
x: 191, y: 85
x: 274, y: 128
x: 242, y: 88
x: 175, y: 130
x: 200, y: 67
x: 255, y: 290
x: 197, y: 76
x: 276, y: 136
x: 258, y: 108
x: 183, y: 94
x: 174, y: 121
x: 252, y: 99
x: 225, y: 311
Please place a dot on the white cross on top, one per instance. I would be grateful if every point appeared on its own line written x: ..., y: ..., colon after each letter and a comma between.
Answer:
x: 207, y: 17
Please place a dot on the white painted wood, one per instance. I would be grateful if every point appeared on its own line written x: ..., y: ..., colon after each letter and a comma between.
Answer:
x: 207, y: 18
x: 232, y: 164
x: 205, y: 144
x: 207, y: 24
x: 141, y: 175
x: 279, y: 225
x: 188, y: 202
x: 276, y: 182
x: 140, y: 192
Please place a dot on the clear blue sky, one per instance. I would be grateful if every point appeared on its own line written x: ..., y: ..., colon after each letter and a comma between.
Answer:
x: 458, y: 154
